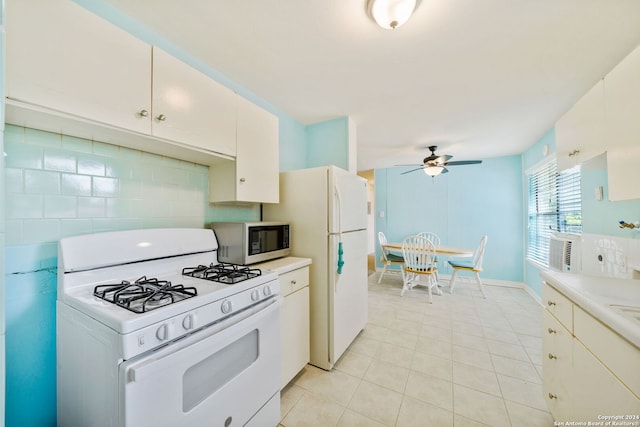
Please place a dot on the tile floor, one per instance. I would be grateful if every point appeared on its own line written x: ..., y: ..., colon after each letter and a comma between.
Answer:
x: 461, y: 361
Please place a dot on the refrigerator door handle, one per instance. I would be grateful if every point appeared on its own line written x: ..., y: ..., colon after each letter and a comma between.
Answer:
x: 339, y: 212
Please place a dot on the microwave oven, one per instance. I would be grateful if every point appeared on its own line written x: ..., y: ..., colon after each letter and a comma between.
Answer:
x: 251, y: 242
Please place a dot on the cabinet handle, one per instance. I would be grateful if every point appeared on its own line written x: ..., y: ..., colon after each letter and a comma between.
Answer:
x: 293, y: 282
x: 143, y: 113
x: 242, y: 180
x: 551, y: 356
x: 550, y: 303
x: 552, y: 396
x: 161, y: 118
x: 574, y: 153
x: 551, y: 331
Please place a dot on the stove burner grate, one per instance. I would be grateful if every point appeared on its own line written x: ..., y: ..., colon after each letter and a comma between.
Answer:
x: 144, y: 294
x: 222, y: 273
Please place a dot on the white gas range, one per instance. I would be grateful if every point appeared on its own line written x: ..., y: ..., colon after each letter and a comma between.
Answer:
x: 153, y: 331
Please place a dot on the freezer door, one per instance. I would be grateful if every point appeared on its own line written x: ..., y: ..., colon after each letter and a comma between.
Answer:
x: 348, y: 304
x: 347, y: 201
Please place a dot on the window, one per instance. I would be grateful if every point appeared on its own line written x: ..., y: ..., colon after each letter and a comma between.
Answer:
x: 555, y: 204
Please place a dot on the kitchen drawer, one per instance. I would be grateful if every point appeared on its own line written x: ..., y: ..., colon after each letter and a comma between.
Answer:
x: 294, y: 280
x: 612, y: 350
x: 558, y: 305
x: 556, y: 367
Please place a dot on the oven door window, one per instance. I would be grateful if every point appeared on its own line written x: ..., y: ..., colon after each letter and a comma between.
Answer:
x: 206, y: 377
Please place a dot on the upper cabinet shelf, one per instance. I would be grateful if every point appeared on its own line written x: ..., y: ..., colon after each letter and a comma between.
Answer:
x: 69, y: 71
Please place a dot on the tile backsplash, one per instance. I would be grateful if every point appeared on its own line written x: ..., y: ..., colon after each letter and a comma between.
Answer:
x: 609, y: 256
x: 57, y: 185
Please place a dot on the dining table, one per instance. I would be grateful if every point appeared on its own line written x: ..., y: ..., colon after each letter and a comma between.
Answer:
x: 440, y: 249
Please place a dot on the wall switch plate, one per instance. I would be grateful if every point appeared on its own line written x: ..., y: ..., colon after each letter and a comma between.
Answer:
x: 599, y: 193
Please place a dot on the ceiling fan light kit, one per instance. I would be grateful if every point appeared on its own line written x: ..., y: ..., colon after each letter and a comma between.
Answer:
x: 434, y: 165
x: 433, y: 170
x: 391, y: 14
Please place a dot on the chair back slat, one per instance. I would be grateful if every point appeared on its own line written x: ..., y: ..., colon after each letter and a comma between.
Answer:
x: 419, y: 254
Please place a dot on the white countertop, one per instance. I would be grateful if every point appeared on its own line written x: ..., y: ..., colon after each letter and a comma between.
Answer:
x: 595, y: 295
x: 284, y: 265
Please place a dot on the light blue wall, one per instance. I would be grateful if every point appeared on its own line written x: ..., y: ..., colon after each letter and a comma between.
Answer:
x: 328, y: 143
x: 461, y: 206
x: 2, y: 281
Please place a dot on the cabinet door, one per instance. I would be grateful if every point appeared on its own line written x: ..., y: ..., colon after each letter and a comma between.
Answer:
x: 622, y: 103
x: 596, y: 391
x: 191, y: 108
x: 257, y: 165
x: 65, y: 58
x: 580, y: 133
x: 294, y: 327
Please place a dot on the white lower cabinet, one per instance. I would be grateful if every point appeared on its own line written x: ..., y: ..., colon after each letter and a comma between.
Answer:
x: 294, y: 315
x: 294, y: 324
x: 587, y: 370
x: 596, y: 390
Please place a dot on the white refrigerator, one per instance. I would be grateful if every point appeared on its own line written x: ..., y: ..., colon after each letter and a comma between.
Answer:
x: 327, y: 209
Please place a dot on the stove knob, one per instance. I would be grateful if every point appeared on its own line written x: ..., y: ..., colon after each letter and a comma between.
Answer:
x: 255, y: 295
x: 187, y: 322
x: 163, y: 332
x: 226, y: 306
x: 266, y: 290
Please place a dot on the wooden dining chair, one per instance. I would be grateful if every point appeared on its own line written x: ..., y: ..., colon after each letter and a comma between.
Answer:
x: 474, y: 265
x: 419, y: 254
x: 388, y: 259
x: 435, y: 239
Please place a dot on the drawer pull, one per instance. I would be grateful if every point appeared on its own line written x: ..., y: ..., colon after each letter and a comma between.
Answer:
x: 552, y: 331
x: 552, y: 396
x: 550, y: 303
x: 293, y: 282
x: 551, y: 356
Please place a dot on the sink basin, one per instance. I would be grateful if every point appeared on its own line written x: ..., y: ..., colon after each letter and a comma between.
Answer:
x: 630, y: 311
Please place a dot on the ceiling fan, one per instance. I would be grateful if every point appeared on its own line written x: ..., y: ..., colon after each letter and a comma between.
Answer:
x: 435, y: 165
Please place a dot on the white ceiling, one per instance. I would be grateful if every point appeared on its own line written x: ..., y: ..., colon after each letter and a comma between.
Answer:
x: 478, y: 78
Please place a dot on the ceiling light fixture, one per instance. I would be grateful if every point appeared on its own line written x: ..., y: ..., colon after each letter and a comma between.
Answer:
x: 390, y: 14
x: 433, y: 170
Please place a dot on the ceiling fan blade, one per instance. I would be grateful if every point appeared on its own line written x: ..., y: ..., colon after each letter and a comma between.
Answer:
x: 444, y: 170
x: 412, y: 170
x: 463, y: 162
x: 413, y: 164
x: 443, y: 158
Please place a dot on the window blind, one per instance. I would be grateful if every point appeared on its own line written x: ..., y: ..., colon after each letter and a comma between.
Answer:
x: 554, y: 204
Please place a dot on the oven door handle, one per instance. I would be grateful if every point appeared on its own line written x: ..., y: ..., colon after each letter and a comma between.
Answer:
x: 146, y: 368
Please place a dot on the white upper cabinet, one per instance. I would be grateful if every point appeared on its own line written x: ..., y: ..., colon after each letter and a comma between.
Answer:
x: 254, y: 176
x: 190, y: 107
x: 622, y: 104
x: 63, y: 57
x: 580, y: 132
x: 70, y: 71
